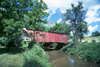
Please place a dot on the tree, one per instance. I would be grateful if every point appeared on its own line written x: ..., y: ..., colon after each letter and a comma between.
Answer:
x: 83, y: 30
x: 36, y: 15
x: 13, y: 14
x: 61, y: 28
x: 13, y: 33
x: 76, y: 17
x: 41, y: 27
x: 96, y: 33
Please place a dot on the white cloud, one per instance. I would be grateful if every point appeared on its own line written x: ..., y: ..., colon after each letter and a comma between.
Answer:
x: 91, y: 29
x: 67, y: 22
x: 92, y: 15
x: 49, y: 25
x: 51, y: 14
x: 46, y: 11
x: 46, y: 25
x: 55, y: 4
x: 66, y: 4
x: 58, y: 21
x: 71, y: 33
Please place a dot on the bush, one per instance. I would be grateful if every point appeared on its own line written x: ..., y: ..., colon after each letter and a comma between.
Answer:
x: 3, y: 41
x: 64, y: 48
x: 36, y: 57
x: 25, y: 45
x: 68, y: 46
x: 93, y: 41
x: 88, y: 51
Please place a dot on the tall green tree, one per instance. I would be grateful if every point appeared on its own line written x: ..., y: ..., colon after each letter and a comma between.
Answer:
x: 61, y: 28
x: 36, y: 15
x: 13, y: 9
x: 16, y: 14
x: 76, y: 16
x: 11, y: 14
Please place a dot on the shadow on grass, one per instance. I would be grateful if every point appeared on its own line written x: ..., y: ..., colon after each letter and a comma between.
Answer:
x: 13, y: 50
x: 31, y: 63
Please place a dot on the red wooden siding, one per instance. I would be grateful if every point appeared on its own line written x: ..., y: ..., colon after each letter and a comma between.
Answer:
x: 49, y: 37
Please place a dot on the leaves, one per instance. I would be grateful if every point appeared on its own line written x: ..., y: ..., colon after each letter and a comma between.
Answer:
x: 36, y: 57
x: 18, y: 14
x: 77, y: 23
x: 61, y: 28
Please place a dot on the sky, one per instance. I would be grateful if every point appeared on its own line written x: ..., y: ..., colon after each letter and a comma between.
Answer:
x: 57, y: 7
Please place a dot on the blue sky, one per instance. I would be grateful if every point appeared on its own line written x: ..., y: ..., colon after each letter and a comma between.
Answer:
x: 57, y: 7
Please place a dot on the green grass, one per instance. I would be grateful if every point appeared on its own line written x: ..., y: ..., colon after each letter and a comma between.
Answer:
x: 88, y: 38
x: 8, y: 60
x: 13, y: 58
x: 35, y: 57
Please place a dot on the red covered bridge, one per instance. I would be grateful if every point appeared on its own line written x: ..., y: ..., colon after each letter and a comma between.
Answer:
x: 47, y: 37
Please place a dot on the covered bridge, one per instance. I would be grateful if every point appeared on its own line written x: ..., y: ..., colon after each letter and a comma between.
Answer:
x: 47, y: 37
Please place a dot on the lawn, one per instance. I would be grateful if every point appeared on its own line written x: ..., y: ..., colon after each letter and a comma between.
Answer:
x: 89, y: 38
x: 13, y: 58
x: 16, y: 57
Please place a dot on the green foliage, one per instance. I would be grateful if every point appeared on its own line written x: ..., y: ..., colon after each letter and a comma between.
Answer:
x: 76, y: 16
x: 13, y: 32
x: 61, y: 28
x: 36, y: 58
x: 96, y: 33
x: 25, y: 45
x: 88, y: 51
x: 93, y: 41
x: 3, y: 41
x: 36, y: 15
x: 41, y: 27
x: 11, y: 21
x: 83, y: 30
x: 65, y: 48
x: 17, y: 14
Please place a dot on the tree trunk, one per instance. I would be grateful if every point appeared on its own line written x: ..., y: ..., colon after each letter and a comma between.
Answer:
x: 34, y: 36
x: 76, y: 38
x: 8, y: 47
x: 80, y: 40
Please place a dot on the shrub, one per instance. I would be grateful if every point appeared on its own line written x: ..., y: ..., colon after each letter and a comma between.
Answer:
x: 3, y: 41
x: 25, y: 45
x: 54, y: 45
x: 93, y: 41
x: 89, y: 51
x: 68, y: 46
x: 36, y: 57
x: 64, y: 48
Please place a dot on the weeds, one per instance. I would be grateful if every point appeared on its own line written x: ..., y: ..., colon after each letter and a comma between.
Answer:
x: 88, y: 51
